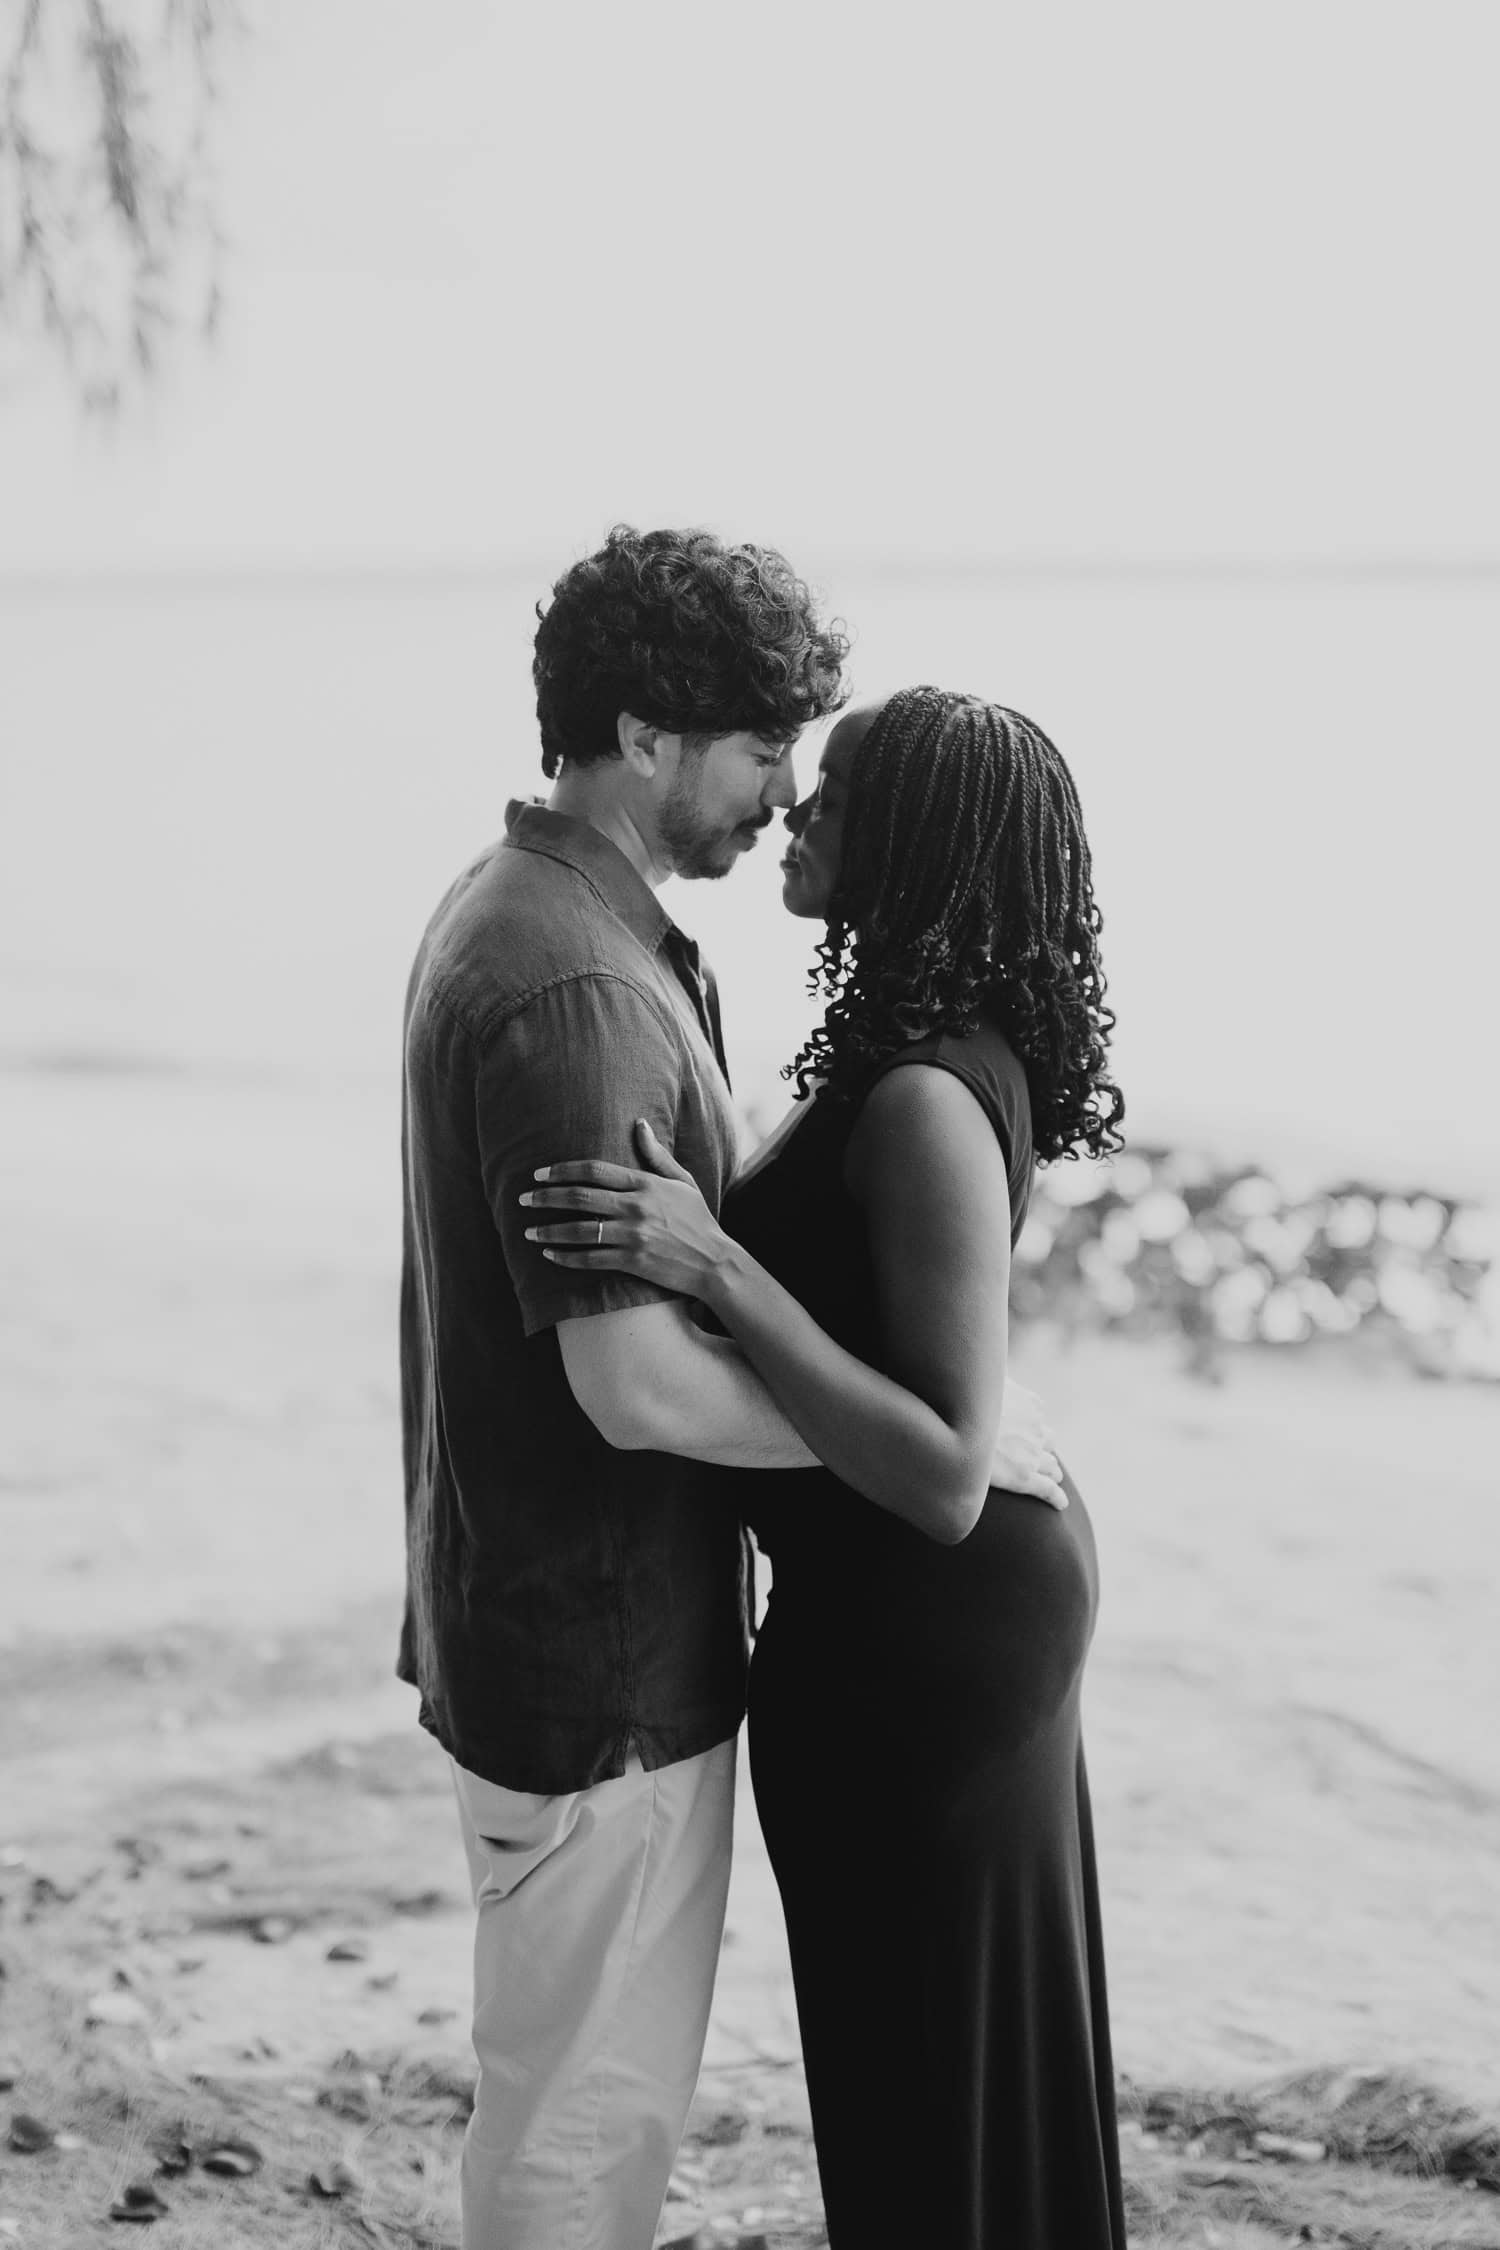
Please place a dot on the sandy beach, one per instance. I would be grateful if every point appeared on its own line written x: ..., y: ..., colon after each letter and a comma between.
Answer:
x: 1290, y: 1712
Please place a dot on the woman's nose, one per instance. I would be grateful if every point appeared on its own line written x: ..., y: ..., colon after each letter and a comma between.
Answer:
x: 796, y: 817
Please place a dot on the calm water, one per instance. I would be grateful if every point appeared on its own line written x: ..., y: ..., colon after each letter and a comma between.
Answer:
x: 228, y: 811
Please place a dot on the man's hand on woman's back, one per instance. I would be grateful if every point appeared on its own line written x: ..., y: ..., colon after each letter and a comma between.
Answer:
x: 1026, y: 1460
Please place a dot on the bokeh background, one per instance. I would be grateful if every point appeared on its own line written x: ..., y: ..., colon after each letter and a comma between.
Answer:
x: 1134, y: 367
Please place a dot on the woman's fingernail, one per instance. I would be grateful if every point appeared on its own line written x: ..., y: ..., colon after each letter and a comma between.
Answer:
x: 542, y: 1172
x: 645, y: 1128
x: 528, y: 1197
x: 532, y: 1233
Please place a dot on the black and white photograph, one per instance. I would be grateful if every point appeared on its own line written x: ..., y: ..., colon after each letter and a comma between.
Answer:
x: 750, y: 1223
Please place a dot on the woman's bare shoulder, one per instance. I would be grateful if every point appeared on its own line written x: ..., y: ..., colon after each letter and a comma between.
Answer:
x: 918, y: 1118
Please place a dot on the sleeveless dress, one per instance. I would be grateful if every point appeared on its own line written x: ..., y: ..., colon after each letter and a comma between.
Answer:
x: 918, y: 1772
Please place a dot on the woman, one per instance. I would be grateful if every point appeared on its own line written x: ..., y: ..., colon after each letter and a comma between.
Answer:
x: 914, y: 1721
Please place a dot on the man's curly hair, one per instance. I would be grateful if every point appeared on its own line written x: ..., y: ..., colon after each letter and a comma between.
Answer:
x: 688, y: 634
x: 966, y: 889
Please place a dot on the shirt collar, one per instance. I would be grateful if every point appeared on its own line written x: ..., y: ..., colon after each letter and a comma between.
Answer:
x: 532, y: 826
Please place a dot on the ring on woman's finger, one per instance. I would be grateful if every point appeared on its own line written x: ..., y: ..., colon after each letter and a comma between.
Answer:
x: 599, y: 1239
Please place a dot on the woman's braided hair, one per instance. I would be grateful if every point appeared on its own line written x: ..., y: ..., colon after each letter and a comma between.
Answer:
x: 966, y: 890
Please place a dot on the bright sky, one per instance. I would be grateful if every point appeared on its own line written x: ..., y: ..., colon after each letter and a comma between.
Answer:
x: 950, y: 280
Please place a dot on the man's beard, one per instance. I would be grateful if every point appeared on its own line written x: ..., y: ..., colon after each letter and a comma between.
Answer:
x: 697, y: 853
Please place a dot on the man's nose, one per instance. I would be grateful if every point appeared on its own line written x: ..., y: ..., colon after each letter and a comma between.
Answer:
x: 781, y: 785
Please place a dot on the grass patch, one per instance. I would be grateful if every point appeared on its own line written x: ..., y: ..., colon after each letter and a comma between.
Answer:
x: 1362, y: 2159
x: 1374, y: 2117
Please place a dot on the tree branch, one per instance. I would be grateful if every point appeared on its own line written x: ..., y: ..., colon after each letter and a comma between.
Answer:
x: 110, y: 244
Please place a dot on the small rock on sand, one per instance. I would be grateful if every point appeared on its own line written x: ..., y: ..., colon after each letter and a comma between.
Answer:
x: 140, y: 2204
x: 333, y: 2180
x: 234, y: 2160
x: 28, y: 2135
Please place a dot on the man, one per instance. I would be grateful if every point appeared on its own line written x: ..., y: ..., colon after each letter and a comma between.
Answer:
x: 577, y: 1600
x: 577, y: 1610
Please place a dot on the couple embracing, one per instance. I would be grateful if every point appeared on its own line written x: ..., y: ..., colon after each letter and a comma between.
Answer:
x: 620, y: 1348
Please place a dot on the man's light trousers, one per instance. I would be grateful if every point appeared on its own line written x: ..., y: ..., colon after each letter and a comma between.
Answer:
x: 600, y: 1920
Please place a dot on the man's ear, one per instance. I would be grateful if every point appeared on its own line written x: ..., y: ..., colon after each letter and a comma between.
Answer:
x: 638, y: 743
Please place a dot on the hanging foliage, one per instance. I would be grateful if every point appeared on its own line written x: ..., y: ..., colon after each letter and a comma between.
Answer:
x: 110, y: 244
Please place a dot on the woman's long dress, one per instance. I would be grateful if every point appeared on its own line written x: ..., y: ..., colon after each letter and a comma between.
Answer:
x: 918, y: 1771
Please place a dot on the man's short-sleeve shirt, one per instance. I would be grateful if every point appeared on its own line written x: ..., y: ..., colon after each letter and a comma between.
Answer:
x: 566, y: 1602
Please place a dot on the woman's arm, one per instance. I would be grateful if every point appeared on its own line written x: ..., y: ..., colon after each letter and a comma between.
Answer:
x: 917, y: 1438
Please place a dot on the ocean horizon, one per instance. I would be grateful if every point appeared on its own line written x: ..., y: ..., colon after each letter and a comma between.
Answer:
x: 233, y: 797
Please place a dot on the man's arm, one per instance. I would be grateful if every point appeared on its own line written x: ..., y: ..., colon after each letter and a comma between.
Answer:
x: 574, y: 1069
x: 650, y: 1379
